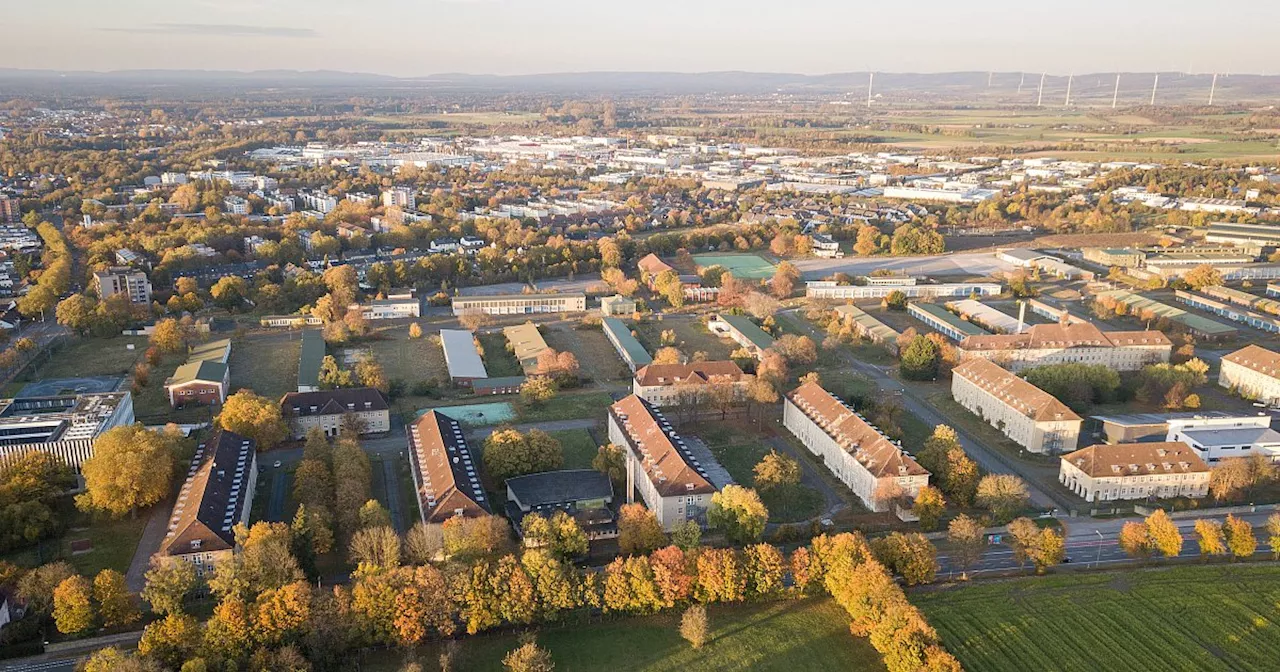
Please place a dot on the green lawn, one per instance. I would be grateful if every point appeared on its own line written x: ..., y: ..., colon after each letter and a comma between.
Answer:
x: 787, y: 636
x: 739, y: 450
x: 92, y: 357
x: 691, y: 337
x: 498, y: 360
x: 579, y: 447
x: 410, y: 359
x: 113, y: 542
x: 567, y: 406
x: 266, y: 363
x: 1186, y: 618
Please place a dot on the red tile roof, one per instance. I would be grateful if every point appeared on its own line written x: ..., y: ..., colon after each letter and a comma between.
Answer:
x: 873, y: 450
x: 656, y: 445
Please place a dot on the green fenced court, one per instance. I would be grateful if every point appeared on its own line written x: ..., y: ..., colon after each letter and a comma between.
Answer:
x: 478, y: 415
x: 745, y: 266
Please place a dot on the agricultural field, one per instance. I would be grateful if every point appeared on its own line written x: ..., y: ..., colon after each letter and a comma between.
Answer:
x: 744, y: 266
x: 691, y: 336
x: 266, y: 363
x: 1186, y: 618
x: 811, y: 635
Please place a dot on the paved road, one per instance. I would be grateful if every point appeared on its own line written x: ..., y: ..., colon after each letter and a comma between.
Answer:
x: 391, y: 485
x: 960, y: 263
x: 152, y: 536
x: 1093, y: 542
x: 986, y: 457
x: 279, y: 490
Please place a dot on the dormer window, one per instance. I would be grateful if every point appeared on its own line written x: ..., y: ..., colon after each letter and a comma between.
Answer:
x: 195, y: 544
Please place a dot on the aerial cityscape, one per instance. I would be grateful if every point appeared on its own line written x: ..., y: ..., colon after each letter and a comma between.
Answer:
x: 368, y: 355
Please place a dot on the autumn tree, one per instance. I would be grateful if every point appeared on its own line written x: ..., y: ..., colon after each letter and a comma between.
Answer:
x: 229, y: 292
x: 73, y: 605
x: 611, y: 462
x: 867, y: 242
x: 168, y: 583
x: 639, y: 531
x: 36, y: 587
x: 775, y: 470
x: 528, y: 657
x: 474, y: 319
x: 265, y: 562
x: 171, y: 640
x: 739, y: 513
x: 131, y: 468
x: 509, y: 453
x: 559, y: 534
x: 1164, y: 534
x: 415, y: 331
x: 967, y: 541
x: 538, y: 390
x: 115, y: 603
x: 695, y: 626
x: 168, y: 336
x: 375, y: 549
x: 1135, y: 540
x: 1002, y: 494
x: 911, y: 556
x: 254, y: 416
x: 928, y: 506
x: 1273, y: 534
x: 1210, y: 538
x: 921, y: 359
x: 1239, y: 536
x: 720, y: 577
x: 229, y: 633
x: 369, y: 373
x: 1204, y: 275
x: 668, y: 355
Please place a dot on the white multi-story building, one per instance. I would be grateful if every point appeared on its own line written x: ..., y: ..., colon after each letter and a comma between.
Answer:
x: 64, y: 426
x: 319, y: 201
x: 521, y: 304
x: 876, y: 469
x: 235, y: 205
x: 389, y: 309
x: 1076, y: 343
x: 828, y: 289
x: 1028, y: 415
x: 1103, y: 472
x: 399, y: 197
x: 1220, y: 437
x: 325, y: 409
x: 123, y: 280
x: 1254, y: 372
x: 659, y: 465
x: 671, y: 384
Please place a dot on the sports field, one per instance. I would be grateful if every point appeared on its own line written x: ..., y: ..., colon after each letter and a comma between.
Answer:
x: 745, y: 266
x: 1219, y: 617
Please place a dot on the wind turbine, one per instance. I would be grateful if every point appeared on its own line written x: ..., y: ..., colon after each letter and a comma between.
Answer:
x: 1115, y: 95
x: 1022, y: 78
x: 1040, y: 95
x: 871, y: 79
x: 1212, y: 87
x: 1155, y: 85
x: 1070, y: 78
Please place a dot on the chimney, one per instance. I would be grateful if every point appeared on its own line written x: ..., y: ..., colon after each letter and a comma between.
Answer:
x: 1022, y: 315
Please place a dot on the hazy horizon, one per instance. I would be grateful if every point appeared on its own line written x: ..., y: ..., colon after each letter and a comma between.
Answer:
x: 523, y: 37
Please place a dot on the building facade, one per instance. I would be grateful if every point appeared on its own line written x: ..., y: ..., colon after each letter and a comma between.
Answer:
x: 828, y: 289
x: 1075, y: 343
x: 216, y: 496
x: 659, y: 465
x: 1031, y: 417
x: 325, y: 409
x: 63, y: 426
x: 521, y: 304
x: 446, y: 476
x: 1254, y: 372
x: 1104, y: 473
x: 876, y: 469
x: 673, y: 384
x: 123, y: 280
x: 628, y: 348
x: 743, y: 331
x: 1224, y: 436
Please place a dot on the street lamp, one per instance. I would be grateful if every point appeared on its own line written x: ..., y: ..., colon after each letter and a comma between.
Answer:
x: 1098, y: 558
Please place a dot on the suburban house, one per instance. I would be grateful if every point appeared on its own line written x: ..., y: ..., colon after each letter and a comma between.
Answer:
x: 743, y: 331
x: 651, y: 267
x: 1031, y: 417
x: 1105, y: 472
x: 526, y: 344
x: 1223, y: 436
x: 1076, y: 343
x: 824, y: 246
x: 310, y: 358
x: 521, y: 304
x: 672, y: 483
x: 585, y: 494
x: 668, y: 384
x: 876, y: 469
x: 629, y: 349
x: 1254, y: 372
x: 324, y: 410
x: 204, y: 379
x: 445, y: 474
x: 462, y: 357
x: 216, y: 496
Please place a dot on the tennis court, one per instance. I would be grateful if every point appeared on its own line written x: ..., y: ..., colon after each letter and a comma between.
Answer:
x: 744, y: 266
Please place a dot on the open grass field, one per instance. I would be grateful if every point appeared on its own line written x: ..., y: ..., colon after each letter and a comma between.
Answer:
x: 92, y: 357
x: 739, y: 449
x: 596, y: 355
x: 498, y: 360
x: 113, y: 543
x: 691, y: 337
x: 266, y: 363
x: 1186, y: 618
x: 410, y: 359
x: 579, y: 448
x: 811, y: 635
x: 745, y: 266
x: 566, y: 406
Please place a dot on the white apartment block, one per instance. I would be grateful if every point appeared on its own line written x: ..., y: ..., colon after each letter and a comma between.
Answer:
x: 1104, y: 473
x: 399, y: 197
x: 659, y: 465
x: 521, y: 304
x: 673, y: 384
x: 1031, y: 417
x: 235, y: 205
x: 121, y: 280
x: 1076, y: 343
x: 1254, y: 372
x: 1222, y: 437
x: 873, y: 467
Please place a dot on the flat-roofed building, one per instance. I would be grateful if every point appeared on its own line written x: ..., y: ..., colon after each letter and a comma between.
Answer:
x: 877, y: 289
x: 671, y: 384
x: 868, y: 327
x: 1145, y: 309
x: 1114, y: 256
x: 216, y: 496
x: 1136, y: 427
x: 989, y: 318
x: 526, y: 344
x: 462, y: 357
x: 1103, y: 473
x: 617, y: 305
x: 521, y: 304
x: 1264, y: 235
x: 1031, y: 417
x: 130, y: 282
x: 629, y: 349
x: 944, y: 322
x: 389, y: 309
x: 63, y: 426
x: 1224, y: 436
x: 743, y: 331
x: 585, y: 494
x: 204, y: 379
x: 1058, y: 315
x: 1265, y: 322
x: 1077, y: 343
x: 876, y: 469
x: 500, y: 385
x: 660, y: 466
x: 324, y: 410
x: 446, y: 475
x: 1253, y: 372
x: 310, y: 359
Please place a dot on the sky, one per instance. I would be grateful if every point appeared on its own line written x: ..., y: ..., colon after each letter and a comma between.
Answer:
x: 507, y: 37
